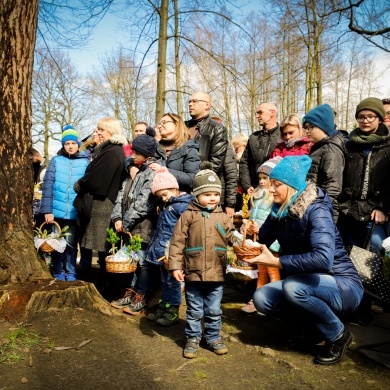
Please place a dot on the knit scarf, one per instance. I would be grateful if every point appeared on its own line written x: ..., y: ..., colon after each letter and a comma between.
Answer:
x: 359, y: 137
x: 276, y: 207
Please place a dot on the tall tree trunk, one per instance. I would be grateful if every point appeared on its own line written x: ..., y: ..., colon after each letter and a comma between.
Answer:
x: 162, y: 60
x: 18, y: 257
x: 179, y: 95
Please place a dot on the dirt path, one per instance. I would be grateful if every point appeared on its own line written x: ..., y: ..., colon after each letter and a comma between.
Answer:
x: 133, y: 353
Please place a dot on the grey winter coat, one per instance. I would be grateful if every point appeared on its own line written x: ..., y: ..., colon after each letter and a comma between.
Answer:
x: 229, y: 179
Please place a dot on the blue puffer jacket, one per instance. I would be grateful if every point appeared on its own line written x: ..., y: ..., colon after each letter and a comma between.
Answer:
x: 57, y: 188
x: 312, y: 244
x: 161, y: 236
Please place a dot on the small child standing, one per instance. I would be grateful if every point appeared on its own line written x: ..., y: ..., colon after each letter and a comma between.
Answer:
x: 134, y: 212
x: 261, y: 202
x: 166, y: 188
x: 197, y: 255
x: 57, y: 200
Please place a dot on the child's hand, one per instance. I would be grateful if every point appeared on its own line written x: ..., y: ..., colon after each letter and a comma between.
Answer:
x: 118, y: 226
x: 178, y: 275
x: 254, y: 227
x: 133, y: 171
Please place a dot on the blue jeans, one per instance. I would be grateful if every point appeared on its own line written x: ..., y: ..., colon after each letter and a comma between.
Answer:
x: 141, y: 279
x: 171, y: 288
x: 66, y: 261
x: 204, y: 301
x: 305, y: 297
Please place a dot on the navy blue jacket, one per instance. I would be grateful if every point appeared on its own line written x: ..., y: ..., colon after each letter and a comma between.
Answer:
x: 312, y: 244
x: 161, y: 236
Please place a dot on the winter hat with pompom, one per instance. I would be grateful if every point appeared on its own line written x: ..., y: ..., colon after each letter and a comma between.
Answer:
x: 206, y: 180
x: 145, y: 144
x: 163, y: 181
x: 69, y: 133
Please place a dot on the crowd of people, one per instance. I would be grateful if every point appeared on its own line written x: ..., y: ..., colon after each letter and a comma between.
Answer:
x: 314, y: 192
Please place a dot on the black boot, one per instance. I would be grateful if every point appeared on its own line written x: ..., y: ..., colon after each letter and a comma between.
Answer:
x: 333, y: 351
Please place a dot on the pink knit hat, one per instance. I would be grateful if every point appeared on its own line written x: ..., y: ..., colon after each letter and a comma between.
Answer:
x: 163, y: 181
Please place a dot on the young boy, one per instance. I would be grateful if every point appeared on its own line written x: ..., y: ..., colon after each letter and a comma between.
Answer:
x: 197, y: 255
x: 58, y: 196
x: 166, y: 188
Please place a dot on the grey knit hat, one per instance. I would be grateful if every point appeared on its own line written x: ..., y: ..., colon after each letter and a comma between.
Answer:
x: 269, y: 165
x: 206, y: 180
x: 372, y: 104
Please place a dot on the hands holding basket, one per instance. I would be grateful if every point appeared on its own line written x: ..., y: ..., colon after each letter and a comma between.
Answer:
x: 266, y: 257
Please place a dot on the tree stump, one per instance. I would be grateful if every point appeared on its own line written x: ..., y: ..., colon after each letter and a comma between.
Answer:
x: 20, y: 302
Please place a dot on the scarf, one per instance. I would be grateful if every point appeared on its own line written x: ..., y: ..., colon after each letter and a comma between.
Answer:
x: 290, y: 143
x: 359, y: 137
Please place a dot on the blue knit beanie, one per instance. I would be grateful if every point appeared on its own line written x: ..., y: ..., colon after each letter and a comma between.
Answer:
x: 69, y: 133
x: 292, y: 170
x: 322, y: 116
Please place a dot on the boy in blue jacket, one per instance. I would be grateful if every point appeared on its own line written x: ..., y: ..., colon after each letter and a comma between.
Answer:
x: 57, y: 200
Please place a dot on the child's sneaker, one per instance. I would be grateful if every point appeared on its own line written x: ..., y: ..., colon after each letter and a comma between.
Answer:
x: 157, y: 312
x: 137, y: 306
x: 60, y: 276
x: 70, y: 277
x: 170, y: 317
x: 191, y: 348
x: 125, y: 300
x: 218, y: 347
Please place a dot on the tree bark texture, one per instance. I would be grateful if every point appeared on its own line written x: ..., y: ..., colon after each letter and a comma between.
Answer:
x: 18, y: 257
x: 23, y: 301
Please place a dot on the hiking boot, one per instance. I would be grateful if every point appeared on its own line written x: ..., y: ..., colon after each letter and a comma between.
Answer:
x: 157, y: 312
x: 137, y: 306
x: 125, y: 300
x: 191, y: 348
x: 218, y: 347
x: 170, y: 317
x: 59, y: 276
x: 333, y: 351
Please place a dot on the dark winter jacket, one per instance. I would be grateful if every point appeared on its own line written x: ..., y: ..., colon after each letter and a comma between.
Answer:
x: 104, y: 175
x: 199, y: 244
x: 57, y: 189
x: 312, y: 244
x: 162, y: 234
x: 378, y: 190
x: 135, y: 203
x: 258, y: 150
x: 213, y: 141
x: 327, y: 166
x: 229, y: 179
x: 183, y: 163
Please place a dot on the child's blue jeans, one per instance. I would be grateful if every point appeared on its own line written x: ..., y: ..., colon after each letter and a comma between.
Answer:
x: 204, y: 301
x: 171, y: 288
x: 66, y: 261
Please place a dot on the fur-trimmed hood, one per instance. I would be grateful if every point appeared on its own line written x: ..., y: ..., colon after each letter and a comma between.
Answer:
x: 304, y: 200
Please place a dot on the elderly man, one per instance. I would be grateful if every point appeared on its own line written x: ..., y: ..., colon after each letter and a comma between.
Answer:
x: 211, y: 135
x: 260, y: 145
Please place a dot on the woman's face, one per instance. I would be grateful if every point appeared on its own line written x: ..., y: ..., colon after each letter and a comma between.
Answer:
x: 291, y: 132
x: 279, y: 190
x: 368, y: 121
x: 387, y: 114
x: 102, y: 134
x: 167, y: 128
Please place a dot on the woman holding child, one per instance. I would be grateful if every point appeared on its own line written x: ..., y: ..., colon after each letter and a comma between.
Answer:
x: 320, y: 281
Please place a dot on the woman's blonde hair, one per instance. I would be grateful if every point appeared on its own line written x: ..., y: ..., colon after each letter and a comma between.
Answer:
x: 292, y: 120
x: 240, y: 140
x: 111, y: 124
x: 182, y: 134
x: 290, y: 193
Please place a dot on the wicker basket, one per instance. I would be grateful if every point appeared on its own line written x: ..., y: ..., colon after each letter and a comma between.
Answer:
x: 239, y: 276
x: 121, y: 266
x: 45, y: 247
x: 244, y: 252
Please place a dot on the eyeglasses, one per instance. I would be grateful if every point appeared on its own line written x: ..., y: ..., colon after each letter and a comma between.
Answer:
x: 196, y: 101
x: 162, y: 123
x: 369, y: 118
x: 308, y: 127
x: 387, y: 113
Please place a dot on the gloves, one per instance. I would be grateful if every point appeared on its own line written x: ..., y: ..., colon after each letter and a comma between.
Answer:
x: 76, y: 187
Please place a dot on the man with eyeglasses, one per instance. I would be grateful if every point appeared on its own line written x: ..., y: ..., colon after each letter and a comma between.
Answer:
x: 386, y: 105
x: 327, y: 152
x: 211, y: 135
x: 260, y: 145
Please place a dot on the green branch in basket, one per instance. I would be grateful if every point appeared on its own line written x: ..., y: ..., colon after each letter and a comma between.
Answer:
x: 112, y: 238
x: 45, y: 234
x: 135, y: 243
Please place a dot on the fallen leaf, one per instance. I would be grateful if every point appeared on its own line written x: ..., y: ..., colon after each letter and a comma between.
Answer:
x: 24, y: 380
x: 85, y: 342
x: 62, y: 348
x: 30, y: 361
x: 52, y: 282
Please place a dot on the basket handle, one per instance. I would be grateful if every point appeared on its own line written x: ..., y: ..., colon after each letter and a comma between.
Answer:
x: 128, y: 233
x: 245, y: 229
x: 54, y: 223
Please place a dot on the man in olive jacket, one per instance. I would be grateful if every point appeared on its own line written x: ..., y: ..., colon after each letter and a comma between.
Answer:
x: 260, y: 146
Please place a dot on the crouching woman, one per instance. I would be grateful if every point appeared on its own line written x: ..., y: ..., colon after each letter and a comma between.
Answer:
x: 320, y: 281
